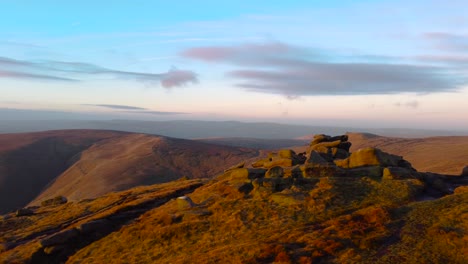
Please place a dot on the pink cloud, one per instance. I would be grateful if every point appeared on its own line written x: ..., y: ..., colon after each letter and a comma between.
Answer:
x: 175, y: 78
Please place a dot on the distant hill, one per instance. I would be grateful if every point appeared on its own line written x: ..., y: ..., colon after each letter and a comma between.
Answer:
x: 29, y: 161
x: 196, y: 129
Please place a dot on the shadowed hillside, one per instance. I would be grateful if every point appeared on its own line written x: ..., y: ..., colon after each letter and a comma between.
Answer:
x: 28, y: 162
x: 327, y: 206
x: 136, y: 159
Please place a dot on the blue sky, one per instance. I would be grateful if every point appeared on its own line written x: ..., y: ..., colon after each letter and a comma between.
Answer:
x: 360, y: 63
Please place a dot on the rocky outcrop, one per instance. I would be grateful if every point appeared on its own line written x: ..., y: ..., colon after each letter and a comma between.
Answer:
x: 54, y: 201
x: 285, y: 158
x: 24, y: 212
x: 326, y: 156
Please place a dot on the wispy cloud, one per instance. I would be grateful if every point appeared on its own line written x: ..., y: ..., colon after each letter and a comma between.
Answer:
x: 279, y: 68
x: 78, y: 71
x: 24, y: 75
x: 113, y: 106
x: 134, y: 109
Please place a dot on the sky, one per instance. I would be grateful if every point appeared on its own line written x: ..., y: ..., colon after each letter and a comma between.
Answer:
x: 385, y: 64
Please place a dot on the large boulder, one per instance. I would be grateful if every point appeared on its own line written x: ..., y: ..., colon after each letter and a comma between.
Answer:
x: 373, y: 157
x: 315, y: 159
x: 275, y: 172
x: 398, y: 173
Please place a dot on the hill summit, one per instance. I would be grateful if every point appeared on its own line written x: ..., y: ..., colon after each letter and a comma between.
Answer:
x: 326, y: 205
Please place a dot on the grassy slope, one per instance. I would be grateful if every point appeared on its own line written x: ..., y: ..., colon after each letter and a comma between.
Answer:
x: 330, y: 220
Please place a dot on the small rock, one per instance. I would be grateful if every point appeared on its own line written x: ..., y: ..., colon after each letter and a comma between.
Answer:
x: 54, y: 201
x: 24, y: 212
x: 184, y: 202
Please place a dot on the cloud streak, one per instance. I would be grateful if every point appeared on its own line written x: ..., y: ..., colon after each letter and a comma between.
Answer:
x: 113, y: 106
x: 77, y: 71
x: 134, y: 109
x: 279, y: 68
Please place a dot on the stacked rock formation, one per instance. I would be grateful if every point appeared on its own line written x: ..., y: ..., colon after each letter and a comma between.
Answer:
x: 326, y: 156
x: 333, y: 153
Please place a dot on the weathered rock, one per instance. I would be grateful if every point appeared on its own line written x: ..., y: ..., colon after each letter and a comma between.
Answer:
x: 245, y: 174
x: 369, y: 171
x: 319, y: 138
x: 54, y: 201
x: 237, y: 166
x: 286, y: 154
x: 397, y: 173
x: 315, y: 159
x: 371, y: 157
x: 339, y: 153
x: 245, y: 187
x: 319, y: 171
x: 322, y: 145
x: 275, y: 172
x: 61, y: 237
x: 184, y: 202
x: 260, y: 163
x: 344, y: 146
x: 465, y: 172
x: 24, y: 212
x: 279, y: 162
x: 435, y: 184
x: 342, y: 163
x: 342, y: 138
